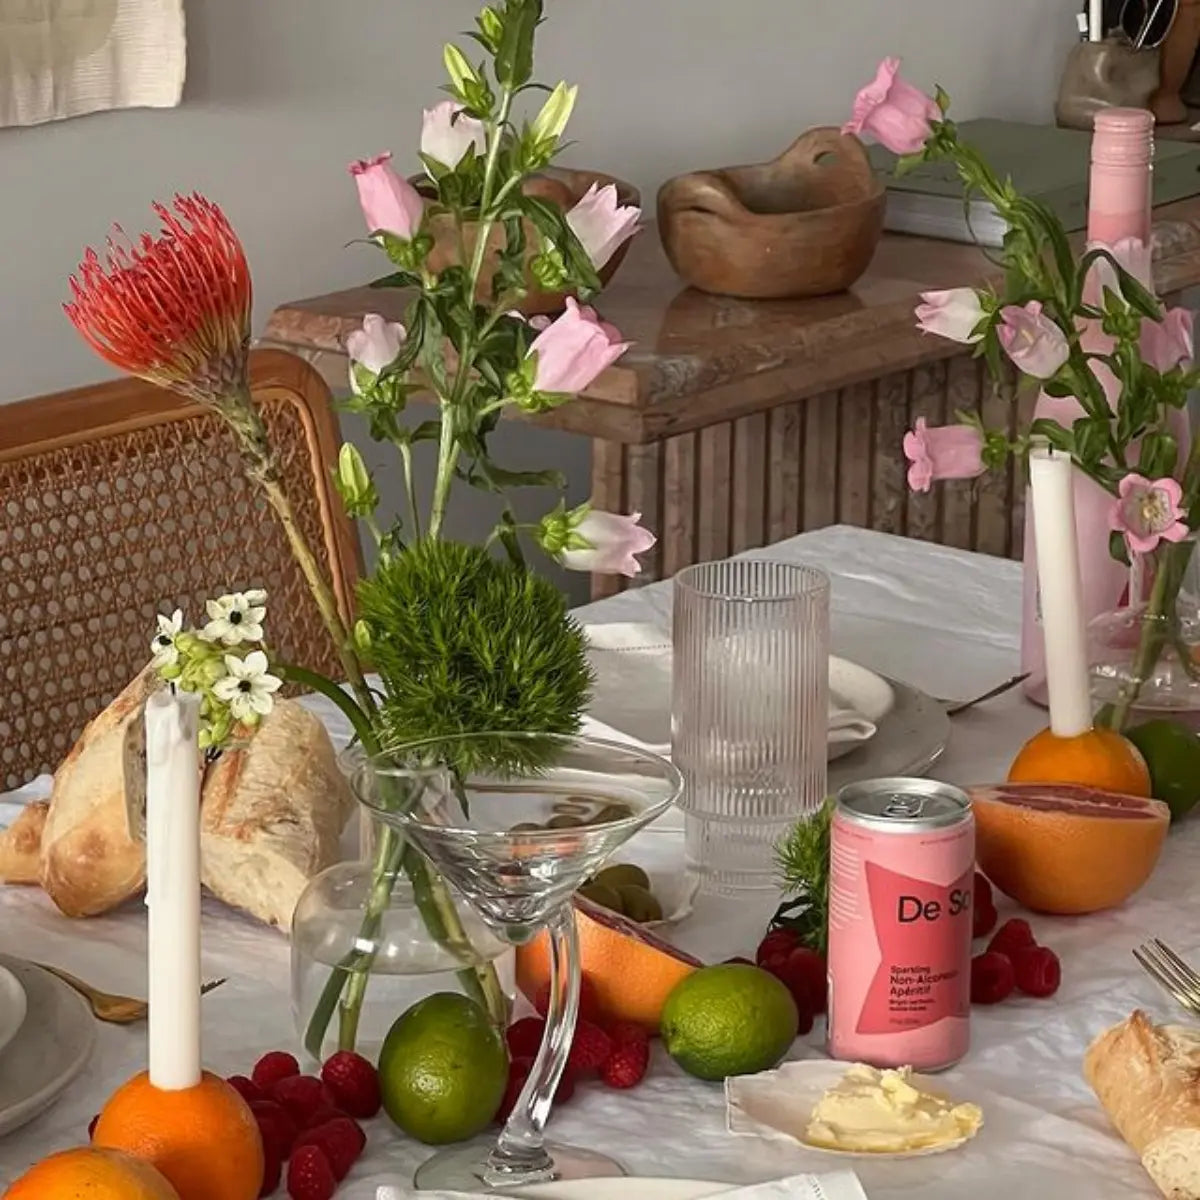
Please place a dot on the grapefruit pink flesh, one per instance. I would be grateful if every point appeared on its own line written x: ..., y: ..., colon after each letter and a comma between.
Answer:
x: 1064, y: 848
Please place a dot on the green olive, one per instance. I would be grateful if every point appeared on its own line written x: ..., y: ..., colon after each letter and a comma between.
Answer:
x: 606, y: 897
x: 564, y: 822
x: 638, y: 904
x: 620, y: 874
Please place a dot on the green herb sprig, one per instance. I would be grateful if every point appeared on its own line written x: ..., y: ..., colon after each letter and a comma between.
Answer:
x: 802, y: 862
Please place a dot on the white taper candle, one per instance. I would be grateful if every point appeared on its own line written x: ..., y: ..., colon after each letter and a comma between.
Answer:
x: 1095, y: 20
x: 1051, y: 481
x: 173, y: 888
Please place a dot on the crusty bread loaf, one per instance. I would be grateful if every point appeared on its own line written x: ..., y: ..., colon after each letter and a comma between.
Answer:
x: 92, y: 859
x: 21, y: 845
x: 1147, y: 1077
x: 272, y: 815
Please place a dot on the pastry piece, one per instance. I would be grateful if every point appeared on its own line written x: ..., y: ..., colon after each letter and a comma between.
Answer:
x: 93, y: 856
x: 21, y: 845
x: 272, y: 814
x: 1147, y: 1077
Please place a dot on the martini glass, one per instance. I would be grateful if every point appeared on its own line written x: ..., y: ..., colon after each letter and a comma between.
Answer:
x: 516, y: 825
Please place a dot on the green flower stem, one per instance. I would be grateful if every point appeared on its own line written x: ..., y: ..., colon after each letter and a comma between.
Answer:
x: 410, y: 487
x: 316, y: 682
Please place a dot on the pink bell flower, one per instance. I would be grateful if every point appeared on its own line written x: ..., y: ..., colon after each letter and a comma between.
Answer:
x: 447, y: 133
x: 574, y: 350
x: 942, y: 452
x: 893, y: 111
x: 1148, y: 511
x: 372, y: 349
x: 1035, y: 343
x: 389, y: 202
x: 1168, y: 343
x: 590, y: 539
x: 951, y: 314
x: 601, y: 224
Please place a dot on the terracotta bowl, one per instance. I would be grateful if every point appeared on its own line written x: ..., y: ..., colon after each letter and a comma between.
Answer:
x: 806, y: 224
x: 559, y: 185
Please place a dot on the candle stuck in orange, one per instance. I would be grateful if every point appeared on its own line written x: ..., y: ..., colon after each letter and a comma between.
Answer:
x: 204, y: 1139
x: 1099, y: 758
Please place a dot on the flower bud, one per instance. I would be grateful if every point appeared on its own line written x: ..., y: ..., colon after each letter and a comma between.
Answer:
x: 556, y: 112
x: 354, y: 483
x: 362, y: 637
x: 491, y: 28
x: 461, y: 73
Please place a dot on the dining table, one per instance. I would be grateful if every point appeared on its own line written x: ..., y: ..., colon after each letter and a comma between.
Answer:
x: 943, y: 620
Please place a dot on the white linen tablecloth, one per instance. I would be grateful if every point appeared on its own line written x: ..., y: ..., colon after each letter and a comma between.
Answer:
x: 941, y: 619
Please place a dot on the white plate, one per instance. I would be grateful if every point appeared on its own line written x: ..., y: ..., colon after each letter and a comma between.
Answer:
x: 54, y: 1046
x: 626, y: 1189
x: 780, y: 1103
x: 12, y: 1006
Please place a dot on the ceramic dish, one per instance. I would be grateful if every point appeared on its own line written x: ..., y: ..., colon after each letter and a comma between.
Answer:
x: 54, y: 1046
x: 12, y: 1006
x: 779, y: 1103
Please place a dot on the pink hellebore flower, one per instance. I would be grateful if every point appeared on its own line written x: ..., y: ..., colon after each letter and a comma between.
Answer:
x: 1033, y: 341
x: 612, y: 541
x: 1168, y: 343
x: 1148, y: 512
x: 390, y: 203
x: 951, y: 314
x: 601, y: 224
x: 574, y: 350
x: 447, y: 133
x: 373, y: 347
x: 943, y: 452
x: 893, y: 111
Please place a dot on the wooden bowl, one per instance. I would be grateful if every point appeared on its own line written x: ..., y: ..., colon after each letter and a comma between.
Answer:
x: 560, y: 186
x: 806, y: 224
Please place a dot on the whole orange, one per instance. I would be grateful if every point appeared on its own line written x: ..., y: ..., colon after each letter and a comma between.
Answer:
x: 1099, y: 758
x: 91, y: 1173
x: 204, y: 1139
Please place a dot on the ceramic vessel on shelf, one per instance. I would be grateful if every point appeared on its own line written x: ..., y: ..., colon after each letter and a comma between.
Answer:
x: 407, y: 964
x: 1108, y: 74
x: 806, y: 224
x: 559, y: 186
x: 1145, y: 656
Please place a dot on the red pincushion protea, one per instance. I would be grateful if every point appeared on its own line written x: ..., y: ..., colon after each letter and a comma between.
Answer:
x: 172, y: 309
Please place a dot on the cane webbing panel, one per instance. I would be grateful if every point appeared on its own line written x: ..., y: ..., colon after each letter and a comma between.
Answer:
x: 120, y: 501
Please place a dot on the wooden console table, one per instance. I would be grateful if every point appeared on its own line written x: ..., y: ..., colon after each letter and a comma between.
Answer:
x: 731, y: 424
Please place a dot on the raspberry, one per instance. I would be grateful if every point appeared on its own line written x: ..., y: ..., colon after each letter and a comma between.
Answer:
x: 566, y: 1087
x: 301, y: 1095
x: 518, y: 1073
x: 309, y: 1175
x: 92, y: 1126
x: 992, y: 978
x: 340, y: 1140
x: 1038, y: 971
x: 626, y: 1066
x: 624, y: 1033
x: 1012, y: 936
x: 273, y: 1067
x: 777, y: 942
x: 803, y: 974
x: 981, y: 894
x: 353, y: 1083
x: 590, y: 1049
x: 272, y: 1172
x: 246, y: 1088
x: 276, y: 1126
x: 589, y: 1002
x: 983, y: 917
x: 525, y: 1037
x: 321, y: 1114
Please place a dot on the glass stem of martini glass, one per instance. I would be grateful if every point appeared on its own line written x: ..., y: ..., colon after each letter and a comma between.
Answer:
x: 520, y: 1155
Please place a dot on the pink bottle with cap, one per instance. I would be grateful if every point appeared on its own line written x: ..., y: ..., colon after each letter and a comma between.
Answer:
x: 1119, y: 204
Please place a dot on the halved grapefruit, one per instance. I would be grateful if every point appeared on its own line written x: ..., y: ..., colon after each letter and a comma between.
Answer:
x: 1064, y: 848
x: 631, y: 970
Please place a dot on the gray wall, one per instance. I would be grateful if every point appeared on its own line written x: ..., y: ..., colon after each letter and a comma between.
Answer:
x: 282, y: 93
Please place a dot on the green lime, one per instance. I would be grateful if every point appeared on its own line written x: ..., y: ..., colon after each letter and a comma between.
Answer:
x: 443, y: 1070
x: 1172, y: 753
x: 728, y: 1020
x: 620, y: 874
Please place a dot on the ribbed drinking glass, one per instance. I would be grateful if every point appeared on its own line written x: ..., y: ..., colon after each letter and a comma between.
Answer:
x: 750, y: 711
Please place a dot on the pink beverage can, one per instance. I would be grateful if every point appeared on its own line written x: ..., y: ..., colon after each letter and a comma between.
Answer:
x: 901, y: 873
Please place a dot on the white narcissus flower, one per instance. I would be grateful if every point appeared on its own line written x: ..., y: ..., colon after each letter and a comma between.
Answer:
x: 166, y: 653
x: 236, y: 618
x: 249, y: 687
x: 601, y: 224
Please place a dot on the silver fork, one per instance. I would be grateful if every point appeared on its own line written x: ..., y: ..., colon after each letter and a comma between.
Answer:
x: 1171, y: 973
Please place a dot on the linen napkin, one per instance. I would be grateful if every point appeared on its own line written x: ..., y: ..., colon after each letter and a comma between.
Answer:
x: 632, y: 696
x: 837, y: 1185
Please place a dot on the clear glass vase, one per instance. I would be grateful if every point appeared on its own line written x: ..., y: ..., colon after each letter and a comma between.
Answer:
x: 1145, y: 655
x: 406, y: 963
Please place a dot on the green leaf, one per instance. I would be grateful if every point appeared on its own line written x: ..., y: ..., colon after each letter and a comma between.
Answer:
x: 492, y: 478
x: 514, y: 57
x: 1117, y: 547
x: 1091, y: 436
x: 1158, y: 454
x: 1054, y: 433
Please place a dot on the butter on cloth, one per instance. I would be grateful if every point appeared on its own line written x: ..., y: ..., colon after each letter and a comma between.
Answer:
x: 836, y: 1185
x: 855, y: 1110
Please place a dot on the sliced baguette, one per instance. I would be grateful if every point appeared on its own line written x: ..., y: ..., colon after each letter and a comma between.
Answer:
x: 21, y: 845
